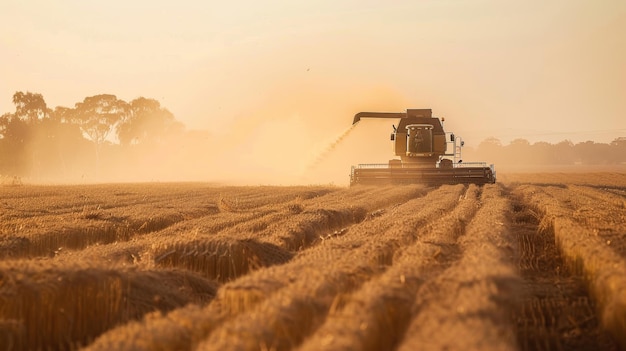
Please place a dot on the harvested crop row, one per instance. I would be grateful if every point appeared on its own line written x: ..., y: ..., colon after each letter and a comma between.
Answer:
x: 619, y: 191
x: 320, y: 219
x: 326, y: 274
x: 601, y: 195
x: 45, y: 305
x: 555, y: 311
x: 222, y: 258
x: 252, y: 303
x: 238, y: 211
x: 606, y: 219
x: 472, y: 299
x: 329, y: 250
x: 83, y: 225
x: 245, y: 199
x: 44, y: 236
x: 110, y: 201
x: 137, y: 249
x: 603, y: 268
x: 349, y: 203
x: 376, y: 316
x: 174, y: 328
x: 592, y: 177
x: 230, y: 254
x: 61, y: 200
x: 376, y: 239
x: 113, y: 220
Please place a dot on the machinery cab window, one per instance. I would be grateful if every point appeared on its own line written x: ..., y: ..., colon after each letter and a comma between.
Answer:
x: 419, y: 139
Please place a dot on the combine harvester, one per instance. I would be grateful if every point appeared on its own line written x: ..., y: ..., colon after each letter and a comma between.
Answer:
x: 422, y: 145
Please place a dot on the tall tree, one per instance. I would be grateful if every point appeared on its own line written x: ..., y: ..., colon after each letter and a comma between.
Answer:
x: 15, y: 135
x: 63, y: 114
x: 146, y: 122
x: 97, y: 116
x: 30, y: 106
x: 19, y: 129
x: 5, y: 119
x: 64, y: 139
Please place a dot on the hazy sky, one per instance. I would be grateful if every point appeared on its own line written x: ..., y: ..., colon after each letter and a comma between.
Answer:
x: 541, y: 70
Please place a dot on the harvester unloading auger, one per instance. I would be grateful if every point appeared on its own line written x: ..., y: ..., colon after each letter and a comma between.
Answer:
x: 422, y: 145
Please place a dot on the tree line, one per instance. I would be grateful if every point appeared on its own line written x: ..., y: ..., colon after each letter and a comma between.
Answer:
x: 104, y: 135
x: 522, y: 152
x: 39, y: 141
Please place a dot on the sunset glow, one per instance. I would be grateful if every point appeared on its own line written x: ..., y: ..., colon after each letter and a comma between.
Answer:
x: 534, y: 70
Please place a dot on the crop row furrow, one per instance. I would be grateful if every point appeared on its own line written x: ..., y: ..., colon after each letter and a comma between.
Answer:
x: 596, y: 259
x: 606, y: 221
x: 52, y: 201
x: 271, y: 305
x: 310, y: 297
x: 47, y: 305
x: 132, y: 211
x: 275, y: 237
x: 376, y: 316
x: 183, y: 238
x: 331, y: 263
x: 472, y: 298
x: 45, y: 236
x: 139, y: 248
x: 614, y: 180
x: 602, y: 195
x: 554, y: 311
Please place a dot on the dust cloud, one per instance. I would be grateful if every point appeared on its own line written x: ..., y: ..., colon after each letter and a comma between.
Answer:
x: 298, y: 135
x: 303, y: 137
x: 368, y: 141
x: 332, y: 147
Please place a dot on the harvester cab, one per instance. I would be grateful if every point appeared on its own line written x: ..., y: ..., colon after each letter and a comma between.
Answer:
x: 422, y: 146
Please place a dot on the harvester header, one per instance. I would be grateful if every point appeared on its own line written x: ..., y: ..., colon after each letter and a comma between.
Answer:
x: 422, y: 146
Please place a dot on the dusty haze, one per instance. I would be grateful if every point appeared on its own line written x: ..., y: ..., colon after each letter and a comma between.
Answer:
x: 275, y: 85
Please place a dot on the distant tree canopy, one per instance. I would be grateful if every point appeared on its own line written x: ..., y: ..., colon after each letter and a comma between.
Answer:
x: 35, y: 137
x: 522, y: 152
x: 98, y: 115
x: 146, y: 122
x: 29, y: 106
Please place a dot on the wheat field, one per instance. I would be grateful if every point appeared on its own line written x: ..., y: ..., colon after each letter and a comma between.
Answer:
x: 534, y: 262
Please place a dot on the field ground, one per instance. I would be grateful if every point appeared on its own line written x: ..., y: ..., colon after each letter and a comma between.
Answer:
x: 534, y: 262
